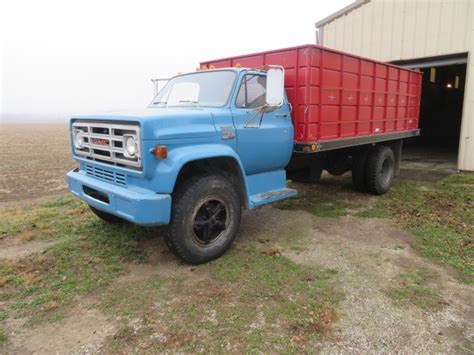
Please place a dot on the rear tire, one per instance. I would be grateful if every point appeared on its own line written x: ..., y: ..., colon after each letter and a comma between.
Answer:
x: 380, y: 169
x: 110, y: 218
x: 205, y: 219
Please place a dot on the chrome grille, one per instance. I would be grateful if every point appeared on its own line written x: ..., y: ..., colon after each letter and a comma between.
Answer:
x: 106, y: 175
x: 104, y: 142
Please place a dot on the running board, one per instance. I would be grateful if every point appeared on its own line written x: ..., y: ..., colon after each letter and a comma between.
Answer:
x: 271, y: 196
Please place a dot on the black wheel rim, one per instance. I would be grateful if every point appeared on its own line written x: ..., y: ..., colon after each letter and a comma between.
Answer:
x: 386, y: 171
x: 210, y: 220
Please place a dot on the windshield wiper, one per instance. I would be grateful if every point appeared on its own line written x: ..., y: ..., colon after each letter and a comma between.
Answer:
x: 159, y: 102
x: 189, y: 102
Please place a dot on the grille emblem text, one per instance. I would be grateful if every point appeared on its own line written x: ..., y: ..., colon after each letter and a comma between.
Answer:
x: 99, y: 141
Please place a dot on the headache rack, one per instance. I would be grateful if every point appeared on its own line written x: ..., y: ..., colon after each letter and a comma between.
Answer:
x: 105, y: 142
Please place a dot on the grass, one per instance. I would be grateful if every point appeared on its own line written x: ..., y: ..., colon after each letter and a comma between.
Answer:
x: 249, y: 300
x: 86, y: 256
x: 441, y: 218
x: 439, y: 215
x: 3, y: 336
x: 255, y: 301
x: 324, y: 200
x: 412, y: 288
x: 253, y: 298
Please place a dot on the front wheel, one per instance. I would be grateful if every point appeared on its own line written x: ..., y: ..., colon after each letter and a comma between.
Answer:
x: 205, y: 219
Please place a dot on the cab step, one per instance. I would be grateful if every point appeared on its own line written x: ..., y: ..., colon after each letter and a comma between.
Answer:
x: 271, y: 196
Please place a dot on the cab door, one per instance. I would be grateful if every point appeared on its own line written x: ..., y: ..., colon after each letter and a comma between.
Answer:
x: 264, y: 140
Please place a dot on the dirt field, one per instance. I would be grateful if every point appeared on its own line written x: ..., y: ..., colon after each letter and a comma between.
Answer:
x: 331, y: 271
x: 34, y: 159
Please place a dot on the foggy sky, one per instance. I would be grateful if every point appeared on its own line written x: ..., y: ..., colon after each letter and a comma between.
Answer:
x: 66, y: 57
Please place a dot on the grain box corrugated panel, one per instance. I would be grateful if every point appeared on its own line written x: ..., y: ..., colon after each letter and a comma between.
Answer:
x: 337, y: 95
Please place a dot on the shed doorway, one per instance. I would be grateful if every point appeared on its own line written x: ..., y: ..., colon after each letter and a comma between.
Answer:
x: 434, y: 153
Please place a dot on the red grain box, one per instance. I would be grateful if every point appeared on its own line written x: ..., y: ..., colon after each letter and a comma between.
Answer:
x: 337, y: 95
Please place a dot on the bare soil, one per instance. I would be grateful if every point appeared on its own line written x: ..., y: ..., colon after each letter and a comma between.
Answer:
x: 81, y: 332
x: 369, y: 255
x: 34, y: 160
x: 12, y: 249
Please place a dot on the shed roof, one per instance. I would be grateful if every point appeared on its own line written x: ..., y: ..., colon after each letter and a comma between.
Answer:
x: 342, y: 12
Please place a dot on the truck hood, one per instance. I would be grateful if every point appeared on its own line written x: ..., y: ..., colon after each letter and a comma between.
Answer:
x: 164, y: 123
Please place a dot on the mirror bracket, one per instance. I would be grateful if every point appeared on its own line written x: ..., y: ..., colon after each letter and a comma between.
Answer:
x: 259, y: 111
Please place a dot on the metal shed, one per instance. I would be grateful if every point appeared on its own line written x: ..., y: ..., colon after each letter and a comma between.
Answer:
x: 435, y: 37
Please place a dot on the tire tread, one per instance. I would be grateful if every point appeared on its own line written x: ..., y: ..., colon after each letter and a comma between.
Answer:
x: 375, y: 158
x: 184, y: 194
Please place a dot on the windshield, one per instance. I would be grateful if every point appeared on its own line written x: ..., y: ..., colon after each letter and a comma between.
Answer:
x: 211, y: 89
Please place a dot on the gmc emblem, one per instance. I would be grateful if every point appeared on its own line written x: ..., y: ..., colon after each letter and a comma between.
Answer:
x: 99, y: 141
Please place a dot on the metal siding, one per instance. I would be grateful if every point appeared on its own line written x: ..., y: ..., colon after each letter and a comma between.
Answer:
x: 387, y: 21
x: 366, y: 30
x: 422, y: 16
x: 377, y: 31
x: 356, y: 35
x: 347, y: 31
x: 396, y: 30
x: 409, y: 41
x: 402, y: 29
x: 407, y: 29
x: 466, y: 144
x: 445, y: 24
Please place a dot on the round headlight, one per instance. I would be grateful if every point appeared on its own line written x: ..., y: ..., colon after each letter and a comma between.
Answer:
x: 131, y: 146
x: 78, y: 139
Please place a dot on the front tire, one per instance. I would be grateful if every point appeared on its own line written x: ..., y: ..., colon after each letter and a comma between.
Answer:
x: 380, y: 170
x: 205, y: 219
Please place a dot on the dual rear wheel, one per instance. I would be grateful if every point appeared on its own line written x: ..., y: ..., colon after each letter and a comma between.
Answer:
x: 373, y: 171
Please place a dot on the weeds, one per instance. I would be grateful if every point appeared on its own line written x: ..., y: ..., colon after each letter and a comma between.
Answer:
x: 87, y: 255
x: 412, y: 287
x: 237, y: 299
x: 439, y: 215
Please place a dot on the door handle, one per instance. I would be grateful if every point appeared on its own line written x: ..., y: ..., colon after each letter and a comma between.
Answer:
x: 282, y: 114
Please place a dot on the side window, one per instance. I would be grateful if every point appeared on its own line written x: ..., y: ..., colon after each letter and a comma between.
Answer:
x: 252, y: 91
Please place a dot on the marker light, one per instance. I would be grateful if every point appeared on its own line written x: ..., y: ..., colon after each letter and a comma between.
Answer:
x: 449, y: 85
x: 160, y: 152
x: 212, y: 66
x: 238, y: 65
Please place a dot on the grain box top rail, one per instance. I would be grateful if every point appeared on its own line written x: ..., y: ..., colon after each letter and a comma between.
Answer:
x: 205, y: 62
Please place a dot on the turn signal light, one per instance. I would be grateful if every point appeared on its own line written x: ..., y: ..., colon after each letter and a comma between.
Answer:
x: 160, y: 152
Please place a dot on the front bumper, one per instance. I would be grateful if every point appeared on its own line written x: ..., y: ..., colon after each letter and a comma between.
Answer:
x: 143, y: 208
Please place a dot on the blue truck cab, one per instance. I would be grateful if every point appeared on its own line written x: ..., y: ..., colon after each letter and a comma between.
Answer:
x: 211, y: 143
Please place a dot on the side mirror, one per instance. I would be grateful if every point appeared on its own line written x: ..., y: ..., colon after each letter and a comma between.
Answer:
x: 275, y: 86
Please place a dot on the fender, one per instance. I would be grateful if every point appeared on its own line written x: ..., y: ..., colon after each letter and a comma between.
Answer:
x: 169, y: 168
